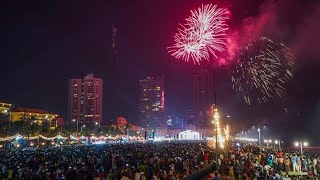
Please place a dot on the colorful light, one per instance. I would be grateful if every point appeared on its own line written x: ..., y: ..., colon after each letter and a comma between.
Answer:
x: 220, y: 138
x: 227, y: 132
x: 203, y: 34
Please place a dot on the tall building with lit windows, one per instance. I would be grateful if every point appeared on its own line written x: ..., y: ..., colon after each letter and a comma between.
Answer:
x: 92, y: 98
x: 151, y: 101
x: 85, y: 99
x: 75, y: 99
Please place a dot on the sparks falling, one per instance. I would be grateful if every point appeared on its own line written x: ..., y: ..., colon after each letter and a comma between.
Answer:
x: 263, y: 68
x: 203, y: 34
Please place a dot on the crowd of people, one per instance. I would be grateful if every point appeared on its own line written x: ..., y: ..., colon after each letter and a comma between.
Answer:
x: 152, y: 161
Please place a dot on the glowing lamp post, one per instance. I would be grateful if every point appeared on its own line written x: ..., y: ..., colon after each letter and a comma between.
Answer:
x: 83, y: 126
x: 97, y: 124
x: 259, y: 136
x: 6, y: 111
x: 267, y: 141
x: 77, y: 126
x: 301, y: 145
x: 278, y: 143
x: 227, y: 132
x: 227, y: 128
x: 216, y: 120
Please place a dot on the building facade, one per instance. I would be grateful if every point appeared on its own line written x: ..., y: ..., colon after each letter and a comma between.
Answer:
x: 92, y: 98
x: 5, y: 107
x: 202, y: 98
x: 151, y: 101
x: 204, y: 132
x: 85, y: 99
x: 75, y: 99
x: 203, y: 89
x: 36, y: 116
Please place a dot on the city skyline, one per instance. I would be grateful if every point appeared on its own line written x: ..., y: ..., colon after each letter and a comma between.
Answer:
x: 122, y: 44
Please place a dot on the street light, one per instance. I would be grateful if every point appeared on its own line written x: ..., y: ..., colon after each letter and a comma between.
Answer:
x: 227, y: 128
x: 83, y: 126
x: 278, y: 143
x: 46, y: 117
x: 267, y: 141
x: 97, y: 123
x: 6, y: 111
x: 259, y: 136
x: 215, y: 122
x: 301, y: 145
x: 77, y: 125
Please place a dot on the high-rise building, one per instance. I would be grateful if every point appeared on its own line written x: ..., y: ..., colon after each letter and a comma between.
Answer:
x: 202, y: 98
x: 203, y: 89
x: 85, y: 99
x: 92, y: 98
x: 151, y: 101
x: 75, y: 99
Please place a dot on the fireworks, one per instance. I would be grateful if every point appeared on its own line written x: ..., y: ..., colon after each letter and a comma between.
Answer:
x: 203, y: 34
x: 263, y: 69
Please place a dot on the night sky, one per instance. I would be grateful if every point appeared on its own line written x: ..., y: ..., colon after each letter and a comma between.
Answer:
x: 45, y: 43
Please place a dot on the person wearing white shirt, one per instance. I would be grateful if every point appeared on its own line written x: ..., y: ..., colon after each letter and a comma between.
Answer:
x: 299, y: 164
x: 137, y: 175
x: 315, y: 161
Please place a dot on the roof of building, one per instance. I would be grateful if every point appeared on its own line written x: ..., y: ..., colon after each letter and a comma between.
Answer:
x: 1, y: 102
x: 31, y: 110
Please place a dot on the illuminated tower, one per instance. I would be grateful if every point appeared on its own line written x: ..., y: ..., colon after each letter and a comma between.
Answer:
x: 85, y: 99
x: 75, y: 99
x: 151, y: 101
x: 92, y: 98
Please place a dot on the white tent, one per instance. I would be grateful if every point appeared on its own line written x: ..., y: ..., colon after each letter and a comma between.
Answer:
x: 189, y: 135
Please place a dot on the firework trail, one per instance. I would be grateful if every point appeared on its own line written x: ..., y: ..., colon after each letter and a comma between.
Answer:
x: 263, y: 68
x: 203, y: 34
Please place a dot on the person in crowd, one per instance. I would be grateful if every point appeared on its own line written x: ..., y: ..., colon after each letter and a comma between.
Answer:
x: 294, y: 162
x: 287, y: 164
x: 299, y: 164
x: 157, y: 161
